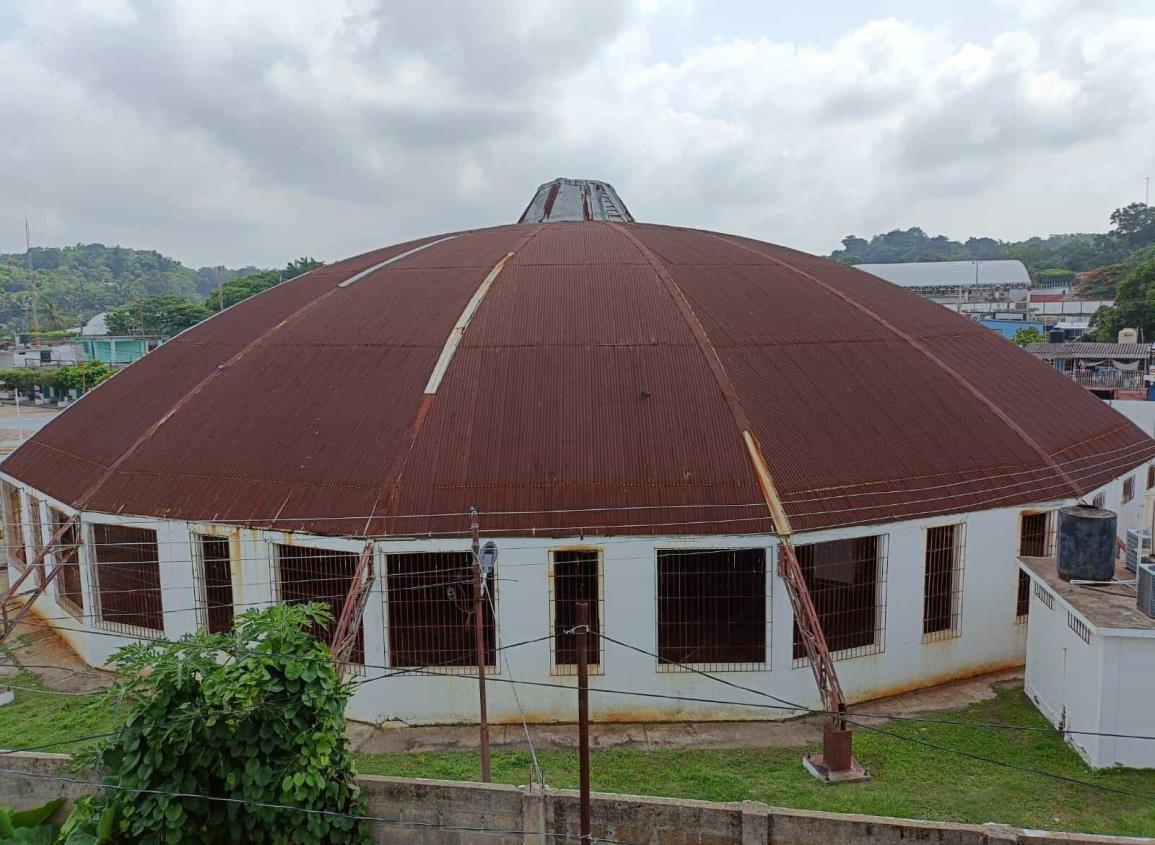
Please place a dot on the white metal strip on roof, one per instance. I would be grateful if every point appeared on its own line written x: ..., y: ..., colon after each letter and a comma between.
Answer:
x: 387, y: 261
x: 458, y: 330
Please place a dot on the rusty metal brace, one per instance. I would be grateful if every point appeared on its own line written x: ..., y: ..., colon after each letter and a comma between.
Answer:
x: 352, y: 611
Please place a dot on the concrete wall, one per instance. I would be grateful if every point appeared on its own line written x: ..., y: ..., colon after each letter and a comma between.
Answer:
x: 989, y: 638
x: 429, y: 812
x: 1104, y: 685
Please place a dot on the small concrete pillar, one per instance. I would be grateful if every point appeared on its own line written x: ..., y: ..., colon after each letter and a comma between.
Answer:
x: 755, y: 823
x: 533, y: 815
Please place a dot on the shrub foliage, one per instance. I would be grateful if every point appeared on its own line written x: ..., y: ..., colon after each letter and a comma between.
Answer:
x: 256, y: 715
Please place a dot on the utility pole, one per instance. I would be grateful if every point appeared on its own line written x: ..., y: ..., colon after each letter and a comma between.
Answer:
x: 32, y: 281
x: 479, y: 642
x: 582, y: 632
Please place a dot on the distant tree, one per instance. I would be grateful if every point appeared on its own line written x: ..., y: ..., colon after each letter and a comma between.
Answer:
x: 156, y: 315
x: 1029, y: 334
x: 1134, y: 224
x: 242, y: 287
x: 1134, y: 302
x: 300, y: 266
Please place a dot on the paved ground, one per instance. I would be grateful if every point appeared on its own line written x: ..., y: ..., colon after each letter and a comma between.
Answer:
x: 373, y: 739
x: 17, y: 425
x: 46, y: 656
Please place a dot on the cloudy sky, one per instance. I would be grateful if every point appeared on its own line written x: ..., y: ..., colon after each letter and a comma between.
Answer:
x: 255, y: 131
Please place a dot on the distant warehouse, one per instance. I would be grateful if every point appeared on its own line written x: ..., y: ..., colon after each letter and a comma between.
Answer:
x: 956, y: 281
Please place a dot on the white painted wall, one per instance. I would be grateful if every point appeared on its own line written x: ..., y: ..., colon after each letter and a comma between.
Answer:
x: 989, y: 639
x: 1105, y: 685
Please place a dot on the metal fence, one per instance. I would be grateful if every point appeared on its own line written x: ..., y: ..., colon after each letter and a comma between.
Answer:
x: 127, y: 570
x: 576, y: 577
x: 712, y: 609
x: 429, y: 612
x: 304, y: 575
x: 847, y: 583
x: 943, y: 582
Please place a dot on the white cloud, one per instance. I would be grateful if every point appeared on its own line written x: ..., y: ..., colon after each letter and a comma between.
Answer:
x: 248, y: 132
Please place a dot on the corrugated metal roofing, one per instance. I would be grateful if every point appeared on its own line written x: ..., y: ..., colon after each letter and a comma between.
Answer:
x: 1076, y: 349
x: 915, y: 274
x: 598, y: 388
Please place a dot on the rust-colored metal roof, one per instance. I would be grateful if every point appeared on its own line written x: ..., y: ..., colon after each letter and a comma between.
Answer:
x: 569, y: 378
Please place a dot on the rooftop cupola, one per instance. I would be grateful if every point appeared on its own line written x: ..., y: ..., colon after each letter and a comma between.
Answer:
x: 575, y: 200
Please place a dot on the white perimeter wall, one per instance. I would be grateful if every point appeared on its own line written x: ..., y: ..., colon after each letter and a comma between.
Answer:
x: 990, y: 638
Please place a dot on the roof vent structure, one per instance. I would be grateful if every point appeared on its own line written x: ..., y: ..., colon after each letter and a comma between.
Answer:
x: 575, y: 200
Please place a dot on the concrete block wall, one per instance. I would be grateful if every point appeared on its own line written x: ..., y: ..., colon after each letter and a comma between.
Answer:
x: 430, y: 812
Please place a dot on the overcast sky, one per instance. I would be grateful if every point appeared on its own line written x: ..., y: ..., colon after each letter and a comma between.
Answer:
x: 250, y: 132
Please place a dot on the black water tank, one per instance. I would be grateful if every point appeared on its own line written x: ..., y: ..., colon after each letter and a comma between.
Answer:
x: 1087, y: 543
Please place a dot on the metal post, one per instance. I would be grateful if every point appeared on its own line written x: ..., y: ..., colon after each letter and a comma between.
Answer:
x: 582, y: 634
x: 479, y: 644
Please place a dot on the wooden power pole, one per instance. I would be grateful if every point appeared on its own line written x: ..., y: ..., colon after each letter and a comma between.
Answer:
x: 479, y: 642
x: 582, y: 632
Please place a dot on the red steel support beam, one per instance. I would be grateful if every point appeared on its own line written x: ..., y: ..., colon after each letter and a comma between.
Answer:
x: 352, y: 611
x: 9, y: 623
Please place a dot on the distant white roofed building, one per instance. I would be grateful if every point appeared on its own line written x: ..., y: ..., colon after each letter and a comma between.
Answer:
x: 956, y: 281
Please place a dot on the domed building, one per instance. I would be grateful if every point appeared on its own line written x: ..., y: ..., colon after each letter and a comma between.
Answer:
x: 638, y: 413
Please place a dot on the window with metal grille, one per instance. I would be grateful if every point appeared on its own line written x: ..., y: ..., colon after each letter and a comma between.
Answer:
x: 1036, y: 534
x: 305, y: 575
x: 429, y: 607
x: 1151, y: 476
x: 14, y: 526
x: 127, y: 570
x: 943, y: 592
x: 1023, y: 599
x: 69, y: 590
x: 215, y: 574
x: 576, y: 578
x: 1099, y: 500
x: 847, y: 583
x: 36, y: 526
x: 712, y: 609
x: 1128, y: 489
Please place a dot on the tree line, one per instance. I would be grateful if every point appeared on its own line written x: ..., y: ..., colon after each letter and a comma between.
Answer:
x: 60, y: 287
x: 1118, y: 264
x: 167, y: 314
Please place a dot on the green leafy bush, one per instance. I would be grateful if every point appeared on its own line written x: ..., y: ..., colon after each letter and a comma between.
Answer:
x: 29, y: 827
x: 82, y: 376
x: 257, y: 715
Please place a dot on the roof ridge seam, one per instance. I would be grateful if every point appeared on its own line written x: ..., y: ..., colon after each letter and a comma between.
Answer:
x: 750, y: 442
x: 391, y: 480
x: 1033, y: 444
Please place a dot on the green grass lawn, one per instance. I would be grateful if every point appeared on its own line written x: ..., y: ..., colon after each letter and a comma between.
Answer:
x: 908, y: 780
x: 36, y: 719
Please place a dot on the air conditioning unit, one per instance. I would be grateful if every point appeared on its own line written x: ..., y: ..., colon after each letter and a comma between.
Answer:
x: 1146, y: 590
x: 1138, y: 546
